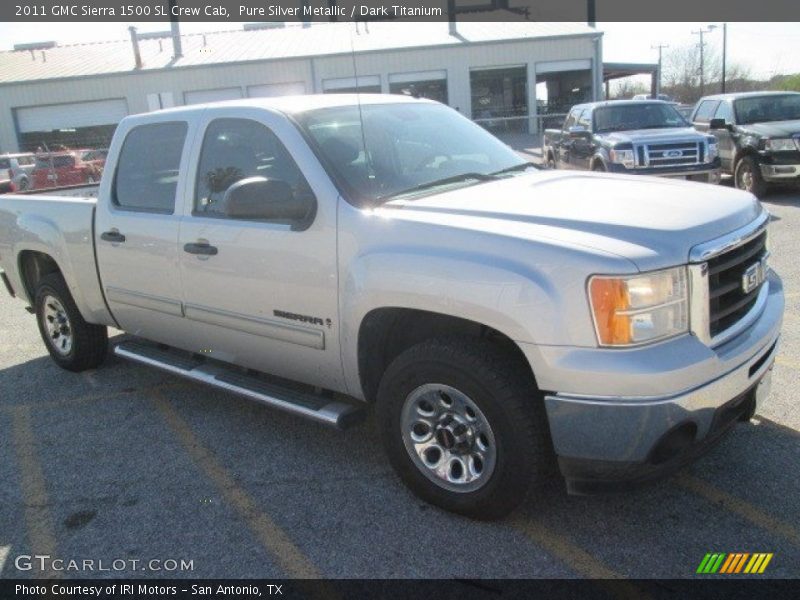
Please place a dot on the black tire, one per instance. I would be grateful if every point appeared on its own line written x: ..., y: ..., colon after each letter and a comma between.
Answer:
x: 599, y: 167
x: 24, y: 184
x: 747, y: 177
x: 502, y: 388
x: 88, y: 342
x: 551, y: 162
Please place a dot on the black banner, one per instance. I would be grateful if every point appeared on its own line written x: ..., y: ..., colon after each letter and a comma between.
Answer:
x: 729, y: 587
x: 402, y: 10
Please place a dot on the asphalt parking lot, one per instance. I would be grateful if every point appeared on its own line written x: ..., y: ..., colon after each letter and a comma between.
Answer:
x: 128, y: 463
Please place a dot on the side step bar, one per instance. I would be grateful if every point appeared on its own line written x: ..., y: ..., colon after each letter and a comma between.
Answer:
x: 308, y: 405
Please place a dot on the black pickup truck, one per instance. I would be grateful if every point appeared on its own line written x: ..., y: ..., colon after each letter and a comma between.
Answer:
x: 758, y: 136
x: 643, y: 137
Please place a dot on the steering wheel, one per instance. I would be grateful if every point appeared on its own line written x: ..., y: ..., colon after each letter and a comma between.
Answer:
x: 427, y: 158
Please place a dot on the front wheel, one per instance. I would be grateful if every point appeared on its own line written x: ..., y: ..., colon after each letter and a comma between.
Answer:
x: 74, y: 344
x: 464, y: 426
x: 748, y: 177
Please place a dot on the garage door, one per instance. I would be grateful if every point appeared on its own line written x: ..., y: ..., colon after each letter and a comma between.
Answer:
x: 71, y: 116
x: 272, y: 90
x: 203, y: 96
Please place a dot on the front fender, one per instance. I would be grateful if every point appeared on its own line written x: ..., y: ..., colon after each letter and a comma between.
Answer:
x: 516, y: 301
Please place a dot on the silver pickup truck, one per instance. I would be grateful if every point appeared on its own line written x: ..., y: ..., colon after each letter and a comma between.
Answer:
x: 325, y: 253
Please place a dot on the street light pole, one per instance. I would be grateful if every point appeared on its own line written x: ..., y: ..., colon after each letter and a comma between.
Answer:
x: 724, y: 52
x: 659, y: 47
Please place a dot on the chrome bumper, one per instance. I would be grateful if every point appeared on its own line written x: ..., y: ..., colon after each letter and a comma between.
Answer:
x: 780, y: 171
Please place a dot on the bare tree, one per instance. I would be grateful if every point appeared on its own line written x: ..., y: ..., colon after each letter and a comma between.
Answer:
x: 680, y: 73
x: 627, y: 88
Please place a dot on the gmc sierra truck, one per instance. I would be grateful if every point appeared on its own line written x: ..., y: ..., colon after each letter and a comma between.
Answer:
x: 758, y: 135
x: 323, y: 253
x: 640, y: 137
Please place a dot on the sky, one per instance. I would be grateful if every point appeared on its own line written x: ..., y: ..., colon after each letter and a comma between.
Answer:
x: 765, y: 49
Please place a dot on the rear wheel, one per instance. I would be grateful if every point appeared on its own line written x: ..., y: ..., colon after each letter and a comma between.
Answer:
x: 748, y: 177
x: 551, y: 162
x: 599, y: 166
x: 73, y: 343
x: 464, y: 426
x: 24, y: 184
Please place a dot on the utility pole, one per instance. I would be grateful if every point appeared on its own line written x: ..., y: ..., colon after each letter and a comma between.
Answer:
x: 724, y: 52
x: 659, y: 47
x: 701, y: 33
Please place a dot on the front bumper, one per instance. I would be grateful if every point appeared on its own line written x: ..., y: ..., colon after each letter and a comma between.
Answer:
x: 779, y: 172
x: 607, y: 439
x: 710, y: 170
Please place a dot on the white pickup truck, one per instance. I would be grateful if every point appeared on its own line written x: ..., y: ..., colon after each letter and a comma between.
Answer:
x: 324, y: 253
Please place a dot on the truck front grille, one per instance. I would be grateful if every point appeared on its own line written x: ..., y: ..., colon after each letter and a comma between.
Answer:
x: 670, y: 154
x: 729, y: 300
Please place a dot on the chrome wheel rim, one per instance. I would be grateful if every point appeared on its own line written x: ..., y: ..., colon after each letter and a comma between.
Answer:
x: 745, y: 178
x: 448, y: 437
x: 56, y: 325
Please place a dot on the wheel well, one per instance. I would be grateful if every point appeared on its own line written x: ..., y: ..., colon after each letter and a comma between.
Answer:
x: 387, y: 332
x: 746, y: 151
x: 595, y: 161
x: 33, y: 266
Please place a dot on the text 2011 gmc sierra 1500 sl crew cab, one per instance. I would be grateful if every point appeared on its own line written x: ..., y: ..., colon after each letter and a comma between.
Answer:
x: 387, y: 250
x: 639, y: 137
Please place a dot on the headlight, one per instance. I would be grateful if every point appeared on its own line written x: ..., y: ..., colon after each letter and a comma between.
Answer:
x: 640, y: 308
x: 780, y: 145
x: 713, y: 149
x: 622, y: 157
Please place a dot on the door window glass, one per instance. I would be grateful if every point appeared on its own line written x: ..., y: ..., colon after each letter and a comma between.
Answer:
x: 235, y: 149
x: 705, y: 110
x: 725, y: 111
x: 147, y: 174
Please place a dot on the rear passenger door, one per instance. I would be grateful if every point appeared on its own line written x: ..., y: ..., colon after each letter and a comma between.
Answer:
x: 136, y: 229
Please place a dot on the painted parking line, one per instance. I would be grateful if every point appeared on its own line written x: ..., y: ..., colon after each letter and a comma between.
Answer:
x: 285, y: 553
x: 38, y: 520
x: 738, y: 506
x: 577, y: 559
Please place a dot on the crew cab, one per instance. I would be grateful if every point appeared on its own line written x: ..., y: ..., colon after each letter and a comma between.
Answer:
x: 758, y: 135
x: 632, y: 136
x: 321, y: 254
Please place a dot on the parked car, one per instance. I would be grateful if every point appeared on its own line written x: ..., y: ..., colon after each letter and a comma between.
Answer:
x: 95, y: 157
x: 20, y: 168
x: 384, y: 250
x: 663, y: 97
x: 758, y: 136
x: 57, y: 169
x: 639, y: 137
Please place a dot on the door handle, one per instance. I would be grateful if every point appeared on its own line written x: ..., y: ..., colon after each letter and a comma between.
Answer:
x: 204, y: 249
x: 112, y: 236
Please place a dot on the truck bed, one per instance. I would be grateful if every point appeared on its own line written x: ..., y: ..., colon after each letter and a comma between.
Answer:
x: 58, y: 223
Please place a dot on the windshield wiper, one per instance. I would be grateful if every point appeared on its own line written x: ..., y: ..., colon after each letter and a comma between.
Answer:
x: 439, y: 182
x: 520, y: 167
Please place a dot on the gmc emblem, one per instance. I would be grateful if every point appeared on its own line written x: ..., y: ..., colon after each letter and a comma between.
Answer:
x: 754, y: 276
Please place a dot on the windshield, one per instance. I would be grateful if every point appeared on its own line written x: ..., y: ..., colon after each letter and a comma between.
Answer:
x: 410, y: 148
x: 627, y: 117
x: 761, y: 109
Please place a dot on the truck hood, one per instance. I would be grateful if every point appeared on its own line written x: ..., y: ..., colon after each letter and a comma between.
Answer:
x: 652, y: 135
x: 650, y: 221
x: 773, y: 129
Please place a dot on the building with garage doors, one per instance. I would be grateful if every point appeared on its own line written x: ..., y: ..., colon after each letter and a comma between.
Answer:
x: 507, y: 76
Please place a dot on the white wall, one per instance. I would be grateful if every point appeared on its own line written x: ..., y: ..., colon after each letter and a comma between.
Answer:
x: 136, y: 86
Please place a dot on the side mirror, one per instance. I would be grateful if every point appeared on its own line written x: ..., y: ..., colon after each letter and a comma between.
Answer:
x: 579, y: 132
x: 717, y: 124
x: 262, y: 199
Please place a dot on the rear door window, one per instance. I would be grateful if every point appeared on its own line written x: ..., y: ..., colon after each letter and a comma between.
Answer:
x: 147, y: 172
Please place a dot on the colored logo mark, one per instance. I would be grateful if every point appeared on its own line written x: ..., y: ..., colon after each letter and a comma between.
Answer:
x: 736, y: 562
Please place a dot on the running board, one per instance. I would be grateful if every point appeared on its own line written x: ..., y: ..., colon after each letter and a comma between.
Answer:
x: 308, y: 405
